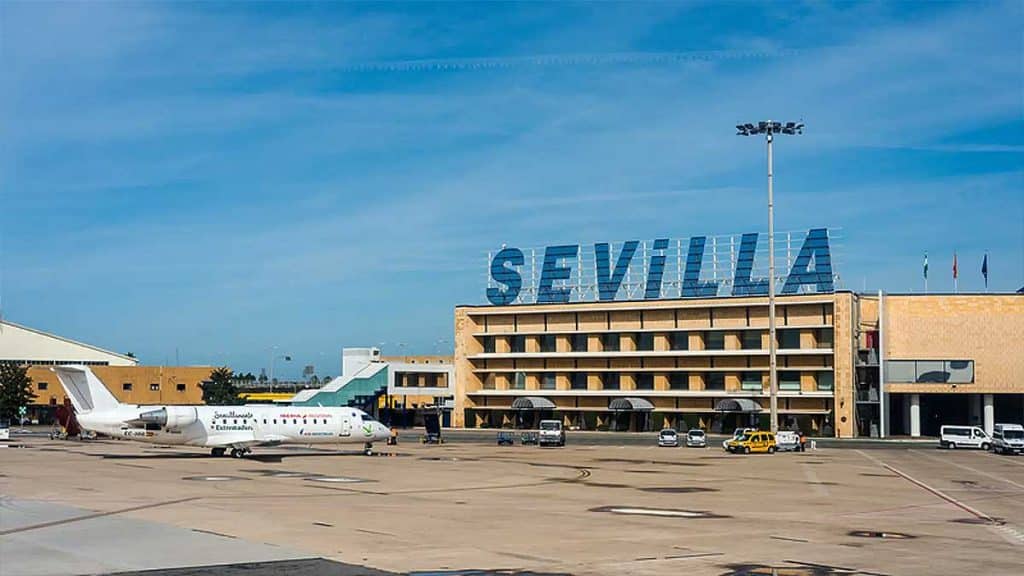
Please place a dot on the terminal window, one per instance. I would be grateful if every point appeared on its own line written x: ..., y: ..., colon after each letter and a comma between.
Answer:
x: 127, y: 386
x: 488, y: 344
x: 611, y: 381
x: 679, y: 381
x: 519, y: 382
x: 680, y: 341
x: 789, y: 339
x: 180, y: 387
x: 547, y: 343
x: 579, y: 380
x: 610, y: 342
x: 154, y: 387
x: 752, y: 340
x: 43, y: 385
x: 518, y: 344
x: 645, y: 341
x: 751, y: 381
x: 547, y: 381
x: 714, y: 340
x: 930, y: 371
x: 825, y: 381
x: 645, y: 381
x: 714, y: 381
x: 579, y: 342
x: 789, y: 380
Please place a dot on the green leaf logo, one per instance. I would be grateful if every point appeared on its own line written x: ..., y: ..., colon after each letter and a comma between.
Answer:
x: 367, y: 429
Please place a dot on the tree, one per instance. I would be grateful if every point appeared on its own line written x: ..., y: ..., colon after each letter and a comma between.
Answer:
x: 15, y: 390
x: 220, y: 390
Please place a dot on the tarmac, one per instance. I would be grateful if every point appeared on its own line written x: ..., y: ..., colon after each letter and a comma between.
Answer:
x: 469, y: 507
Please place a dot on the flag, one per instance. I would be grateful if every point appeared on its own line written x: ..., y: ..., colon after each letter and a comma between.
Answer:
x: 984, y: 270
x: 925, y: 265
x: 955, y: 275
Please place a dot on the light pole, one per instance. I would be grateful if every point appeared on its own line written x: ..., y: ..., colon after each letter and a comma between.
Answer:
x: 769, y: 129
x: 273, y: 359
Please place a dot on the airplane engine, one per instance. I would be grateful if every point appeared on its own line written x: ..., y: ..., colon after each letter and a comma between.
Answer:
x: 172, y: 417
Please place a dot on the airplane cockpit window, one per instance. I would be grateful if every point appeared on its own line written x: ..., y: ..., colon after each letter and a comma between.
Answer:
x: 368, y: 418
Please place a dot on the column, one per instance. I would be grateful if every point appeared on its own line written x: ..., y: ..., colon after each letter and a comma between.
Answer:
x: 915, y: 415
x: 906, y: 414
x: 975, y: 405
x: 990, y: 413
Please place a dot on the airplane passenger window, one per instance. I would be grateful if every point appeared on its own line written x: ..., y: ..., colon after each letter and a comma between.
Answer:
x: 264, y: 420
x: 236, y: 421
x: 275, y: 420
x: 295, y: 421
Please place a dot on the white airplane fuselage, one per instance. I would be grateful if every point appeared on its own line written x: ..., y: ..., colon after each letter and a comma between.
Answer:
x: 228, y: 426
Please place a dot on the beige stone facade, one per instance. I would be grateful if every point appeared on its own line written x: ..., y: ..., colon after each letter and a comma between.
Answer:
x: 131, y: 384
x: 681, y: 356
x: 686, y: 356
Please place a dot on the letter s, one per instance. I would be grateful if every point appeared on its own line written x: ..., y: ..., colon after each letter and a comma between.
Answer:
x: 503, y: 272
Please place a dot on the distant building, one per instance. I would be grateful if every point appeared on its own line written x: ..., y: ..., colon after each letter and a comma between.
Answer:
x: 25, y: 345
x: 399, y: 389
x: 127, y: 381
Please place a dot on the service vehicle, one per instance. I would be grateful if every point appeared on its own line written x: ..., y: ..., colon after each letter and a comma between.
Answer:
x: 735, y: 435
x: 551, y: 433
x: 753, y: 442
x: 788, y: 441
x: 954, y: 437
x: 696, y: 439
x: 668, y: 438
x: 1008, y: 439
x: 505, y: 439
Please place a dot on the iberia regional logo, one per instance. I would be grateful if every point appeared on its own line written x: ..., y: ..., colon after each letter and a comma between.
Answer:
x: 367, y: 430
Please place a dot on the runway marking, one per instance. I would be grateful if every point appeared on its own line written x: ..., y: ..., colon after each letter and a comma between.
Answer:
x: 968, y: 468
x: 95, y: 515
x: 1008, y: 533
x: 812, y: 478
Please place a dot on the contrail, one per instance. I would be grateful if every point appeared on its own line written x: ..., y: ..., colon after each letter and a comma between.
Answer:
x: 553, y: 60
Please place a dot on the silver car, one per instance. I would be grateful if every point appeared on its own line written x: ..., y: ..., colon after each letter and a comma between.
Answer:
x: 668, y: 438
x: 696, y: 439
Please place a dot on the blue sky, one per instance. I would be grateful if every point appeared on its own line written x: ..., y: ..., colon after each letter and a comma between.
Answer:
x: 221, y: 179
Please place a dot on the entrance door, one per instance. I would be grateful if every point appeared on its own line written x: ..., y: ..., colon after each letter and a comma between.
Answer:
x: 346, y: 426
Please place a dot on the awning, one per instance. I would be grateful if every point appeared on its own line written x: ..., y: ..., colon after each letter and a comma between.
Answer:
x: 631, y: 404
x: 737, y: 405
x: 532, y: 403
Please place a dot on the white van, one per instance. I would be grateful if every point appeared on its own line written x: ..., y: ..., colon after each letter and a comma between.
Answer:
x: 953, y: 437
x: 1008, y: 439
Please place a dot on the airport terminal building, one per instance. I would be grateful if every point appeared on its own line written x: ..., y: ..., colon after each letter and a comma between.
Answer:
x: 674, y: 333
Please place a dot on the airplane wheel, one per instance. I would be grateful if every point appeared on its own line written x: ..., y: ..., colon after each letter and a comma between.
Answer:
x: 236, y: 453
x: 368, y: 449
x: 217, y: 452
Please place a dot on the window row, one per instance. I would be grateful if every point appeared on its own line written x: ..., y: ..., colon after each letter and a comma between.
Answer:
x: 788, y: 339
x: 421, y: 380
x: 128, y: 386
x: 788, y: 380
x: 930, y: 371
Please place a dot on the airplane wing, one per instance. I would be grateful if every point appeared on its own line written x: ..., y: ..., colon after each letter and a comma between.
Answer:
x: 241, y: 440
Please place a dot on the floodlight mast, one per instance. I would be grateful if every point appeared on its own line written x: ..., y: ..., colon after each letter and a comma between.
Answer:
x: 769, y: 129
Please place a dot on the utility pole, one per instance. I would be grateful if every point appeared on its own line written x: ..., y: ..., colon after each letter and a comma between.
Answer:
x: 769, y: 129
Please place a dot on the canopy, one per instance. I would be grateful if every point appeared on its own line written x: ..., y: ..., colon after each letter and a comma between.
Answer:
x: 737, y: 405
x: 532, y: 403
x: 631, y: 404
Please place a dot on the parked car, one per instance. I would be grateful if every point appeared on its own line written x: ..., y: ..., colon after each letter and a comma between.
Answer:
x: 5, y: 431
x: 753, y: 442
x: 551, y: 433
x: 505, y: 439
x: 668, y: 438
x: 529, y: 438
x: 787, y: 441
x: 1008, y: 439
x: 953, y: 437
x: 696, y: 439
x: 735, y: 436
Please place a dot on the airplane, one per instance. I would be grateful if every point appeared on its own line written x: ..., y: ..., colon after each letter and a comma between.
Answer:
x: 219, y: 428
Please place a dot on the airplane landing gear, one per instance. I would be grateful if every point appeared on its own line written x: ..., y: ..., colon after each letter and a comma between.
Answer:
x: 217, y: 452
x: 368, y: 449
x: 239, y: 452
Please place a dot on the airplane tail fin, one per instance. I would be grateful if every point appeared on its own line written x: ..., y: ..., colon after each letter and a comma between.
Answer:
x: 86, y: 391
